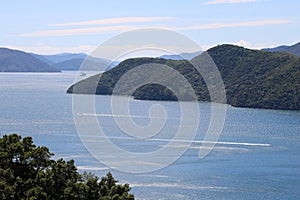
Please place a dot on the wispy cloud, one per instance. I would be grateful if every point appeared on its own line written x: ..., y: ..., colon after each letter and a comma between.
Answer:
x: 228, y: 1
x: 238, y: 24
x: 123, y: 20
x: 111, y: 26
x: 121, y: 28
x: 78, y: 31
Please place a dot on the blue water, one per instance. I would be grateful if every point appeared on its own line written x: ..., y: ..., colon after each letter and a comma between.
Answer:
x: 35, y: 104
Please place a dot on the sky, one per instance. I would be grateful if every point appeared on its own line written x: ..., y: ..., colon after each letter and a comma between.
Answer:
x: 49, y: 27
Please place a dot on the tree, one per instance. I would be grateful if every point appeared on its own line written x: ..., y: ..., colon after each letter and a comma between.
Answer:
x: 27, y: 172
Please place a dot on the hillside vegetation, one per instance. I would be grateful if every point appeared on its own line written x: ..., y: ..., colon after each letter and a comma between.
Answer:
x: 252, y: 78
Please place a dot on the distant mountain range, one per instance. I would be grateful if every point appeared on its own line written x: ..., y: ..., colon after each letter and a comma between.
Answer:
x: 73, y: 61
x: 61, y: 57
x: 182, y: 56
x: 252, y: 78
x: 293, y: 49
x: 19, y: 61
x: 92, y: 64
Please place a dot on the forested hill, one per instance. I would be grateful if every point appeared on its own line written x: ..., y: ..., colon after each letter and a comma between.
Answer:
x: 258, y: 79
x: 252, y: 78
x: 19, y: 61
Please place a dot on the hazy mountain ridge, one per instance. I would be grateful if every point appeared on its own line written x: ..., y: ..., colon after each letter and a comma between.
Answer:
x: 73, y: 61
x: 89, y: 64
x: 61, y: 57
x: 293, y: 49
x: 252, y: 78
x: 181, y: 56
x: 20, y: 61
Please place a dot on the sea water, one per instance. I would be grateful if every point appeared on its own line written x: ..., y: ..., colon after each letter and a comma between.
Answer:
x: 257, y: 155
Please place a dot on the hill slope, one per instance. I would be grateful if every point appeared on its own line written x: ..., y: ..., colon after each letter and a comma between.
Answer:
x: 19, y: 61
x: 252, y: 78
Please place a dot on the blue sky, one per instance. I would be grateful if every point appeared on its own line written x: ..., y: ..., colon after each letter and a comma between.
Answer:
x: 54, y: 26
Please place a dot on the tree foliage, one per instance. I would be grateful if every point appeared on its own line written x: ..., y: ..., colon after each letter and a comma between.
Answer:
x: 27, y: 172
